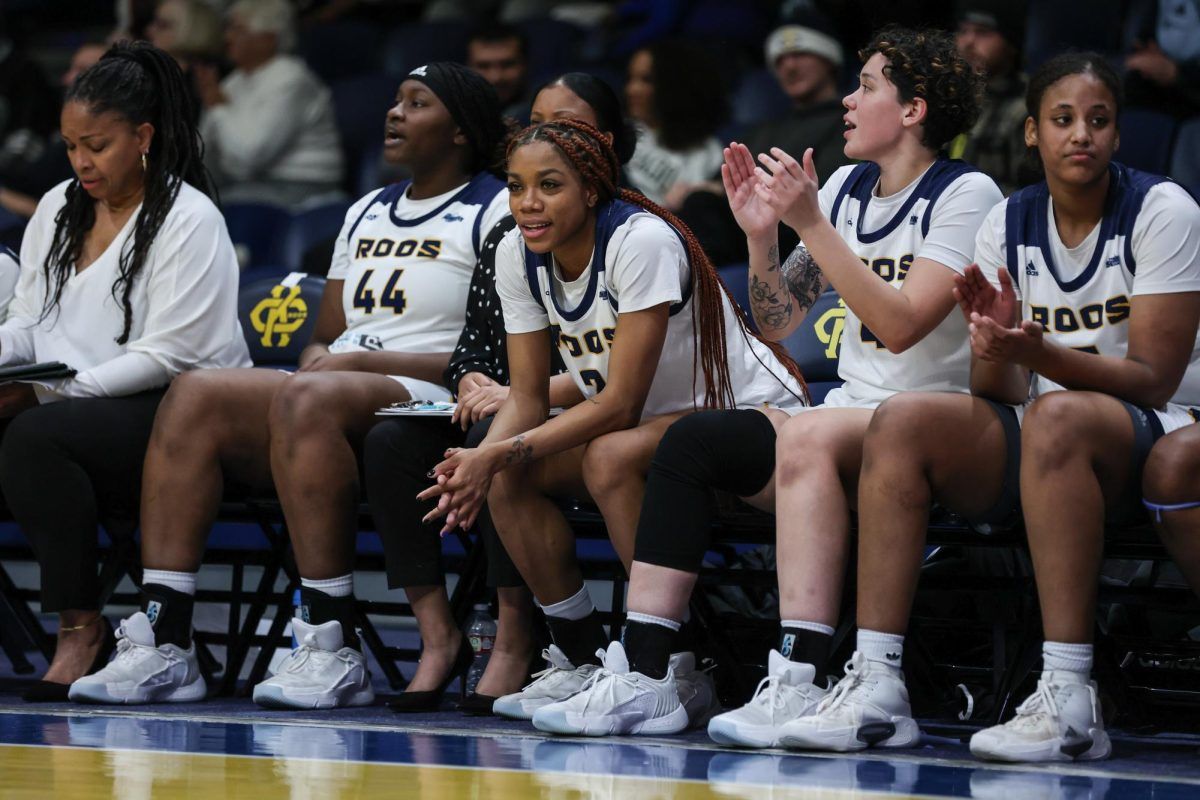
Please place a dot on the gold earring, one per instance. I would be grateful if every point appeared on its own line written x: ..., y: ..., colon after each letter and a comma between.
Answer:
x: 143, y: 162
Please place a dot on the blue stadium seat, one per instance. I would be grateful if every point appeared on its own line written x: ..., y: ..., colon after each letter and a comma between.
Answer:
x: 1146, y: 140
x: 278, y: 317
x: 260, y: 228
x: 413, y: 45
x: 816, y: 344
x: 554, y: 47
x: 759, y: 99
x: 1052, y: 28
x: 311, y: 227
x: 736, y: 278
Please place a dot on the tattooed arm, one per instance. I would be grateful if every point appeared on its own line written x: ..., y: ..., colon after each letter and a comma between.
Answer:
x: 780, y: 296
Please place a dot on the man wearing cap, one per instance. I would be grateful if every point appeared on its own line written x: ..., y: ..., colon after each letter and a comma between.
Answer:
x: 806, y: 59
x: 990, y: 37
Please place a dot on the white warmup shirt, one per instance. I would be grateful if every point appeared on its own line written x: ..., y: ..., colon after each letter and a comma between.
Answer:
x: 184, y: 305
x: 639, y: 262
x: 1148, y: 242
x: 935, y: 217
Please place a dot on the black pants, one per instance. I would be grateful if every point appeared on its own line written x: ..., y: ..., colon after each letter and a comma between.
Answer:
x: 67, y: 467
x: 397, y: 457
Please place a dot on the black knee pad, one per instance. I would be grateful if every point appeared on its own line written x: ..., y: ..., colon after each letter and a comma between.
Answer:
x: 732, y: 451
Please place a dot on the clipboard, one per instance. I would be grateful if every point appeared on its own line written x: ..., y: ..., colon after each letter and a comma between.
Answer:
x: 45, y: 370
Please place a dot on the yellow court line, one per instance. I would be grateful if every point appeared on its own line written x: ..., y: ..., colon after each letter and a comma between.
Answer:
x: 81, y: 773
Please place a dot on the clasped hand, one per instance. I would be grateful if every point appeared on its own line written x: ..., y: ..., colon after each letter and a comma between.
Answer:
x: 997, y: 334
x: 461, y: 486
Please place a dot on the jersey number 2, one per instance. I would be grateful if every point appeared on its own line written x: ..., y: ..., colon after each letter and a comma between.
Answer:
x: 392, y: 298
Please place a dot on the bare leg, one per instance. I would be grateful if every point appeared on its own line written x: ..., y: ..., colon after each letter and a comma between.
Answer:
x: 317, y: 420
x: 817, y: 461
x: 211, y: 425
x: 1172, y: 477
x: 614, y: 469
x: 1076, y: 453
x: 508, y: 667
x: 913, y: 455
x: 76, y: 649
x: 440, y: 637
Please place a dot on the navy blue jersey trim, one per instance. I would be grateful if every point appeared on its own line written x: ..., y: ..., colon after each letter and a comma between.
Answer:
x: 472, y: 193
x: 861, y: 184
x: 379, y: 197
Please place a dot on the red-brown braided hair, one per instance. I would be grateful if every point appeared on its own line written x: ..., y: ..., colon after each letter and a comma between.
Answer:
x: 593, y: 158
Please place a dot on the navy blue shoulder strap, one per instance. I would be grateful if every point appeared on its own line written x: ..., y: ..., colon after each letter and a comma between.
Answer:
x: 387, y: 195
x: 865, y: 173
x: 482, y: 190
x: 1018, y: 222
x: 1127, y: 192
x: 944, y: 172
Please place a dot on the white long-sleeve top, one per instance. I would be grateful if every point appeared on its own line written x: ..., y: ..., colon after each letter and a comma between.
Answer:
x: 278, y: 124
x: 184, y: 305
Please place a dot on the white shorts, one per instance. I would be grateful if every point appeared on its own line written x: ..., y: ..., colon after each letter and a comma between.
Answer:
x: 423, y: 390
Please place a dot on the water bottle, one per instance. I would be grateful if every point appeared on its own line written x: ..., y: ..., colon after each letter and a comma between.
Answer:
x: 481, y: 633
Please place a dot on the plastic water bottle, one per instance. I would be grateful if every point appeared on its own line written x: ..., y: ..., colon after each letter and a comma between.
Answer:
x: 481, y: 633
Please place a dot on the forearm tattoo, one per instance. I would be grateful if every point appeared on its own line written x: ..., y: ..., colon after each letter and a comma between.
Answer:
x: 771, y: 311
x: 803, y: 277
x: 520, y: 452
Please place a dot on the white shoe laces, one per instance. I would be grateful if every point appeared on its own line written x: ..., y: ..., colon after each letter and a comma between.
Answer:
x: 546, y: 675
x: 129, y: 651
x: 610, y: 680
x: 846, y: 686
x: 1041, y: 704
x: 769, y: 693
x: 309, y: 651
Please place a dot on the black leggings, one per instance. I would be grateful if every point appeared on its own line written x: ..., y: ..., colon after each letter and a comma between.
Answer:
x: 731, y: 451
x: 397, y: 456
x: 66, y: 467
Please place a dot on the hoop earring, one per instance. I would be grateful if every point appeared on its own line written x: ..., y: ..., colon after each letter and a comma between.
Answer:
x: 143, y: 162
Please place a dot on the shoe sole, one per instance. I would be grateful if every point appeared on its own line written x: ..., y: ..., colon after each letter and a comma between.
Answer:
x: 557, y: 722
x: 900, y: 732
x: 727, y: 732
x: 97, y: 694
x: 1101, y: 748
x: 269, y: 696
x: 514, y: 709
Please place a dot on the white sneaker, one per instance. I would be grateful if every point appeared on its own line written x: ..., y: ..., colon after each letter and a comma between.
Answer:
x: 142, y: 672
x: 1060, y: 721
x: 697, y: 691
x: 868, y: 708
x: 320, y: 673
x: 615, y: 701
x: 557, y: 682
x: 786, y: 693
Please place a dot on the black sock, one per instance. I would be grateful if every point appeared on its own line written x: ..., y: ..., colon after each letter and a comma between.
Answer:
x: 648, y: 646
x: 690, y: 637
x: 317, y: 608
x: 805, y: 646
x: 579, y: 639
x: 170, y: 614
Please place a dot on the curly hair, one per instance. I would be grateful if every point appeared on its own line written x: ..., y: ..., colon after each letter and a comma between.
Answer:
x: 926, y: 64
x: 592, y: 156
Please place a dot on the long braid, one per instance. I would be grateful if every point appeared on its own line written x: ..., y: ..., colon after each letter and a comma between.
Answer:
x: 596, y: 162
x: 142, y: 84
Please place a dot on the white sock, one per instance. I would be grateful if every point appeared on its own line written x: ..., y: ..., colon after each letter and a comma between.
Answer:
x: 1060, y: 656
x: 805, y: 625
x: 882, y: 648
x: 179, y: 581
x: 575, y: 607
x: 341, y: 586
x: 649, y: 619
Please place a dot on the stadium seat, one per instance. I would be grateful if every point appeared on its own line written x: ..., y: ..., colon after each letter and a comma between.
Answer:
x: 735, y: 277
x: 259, y: 229
x: 816, y: 344
x: 311, y: 227
x: 278, y: 317
x: 413, y: 45
x: 759, y: 99
x: 359, y: 106
x: 555, y: 49
x: 1146, y: 140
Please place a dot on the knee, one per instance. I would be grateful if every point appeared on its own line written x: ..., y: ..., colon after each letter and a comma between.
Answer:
x: 804, y: 446
x: 302, y: 403
x: 899, y: 430
x: 191, y: 404
x: 1171, y: 472
x: 1056, y: 430
x: 692, y: 443
x: 610, y: 463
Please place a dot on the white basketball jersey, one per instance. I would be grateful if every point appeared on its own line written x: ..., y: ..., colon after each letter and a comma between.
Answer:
x: 1084, y: 303
x: 935, y: 218
x: 407, y: 265
x: 639, y: 262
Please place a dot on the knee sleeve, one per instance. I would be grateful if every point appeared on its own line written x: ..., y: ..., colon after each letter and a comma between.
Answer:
x: 732, y: 451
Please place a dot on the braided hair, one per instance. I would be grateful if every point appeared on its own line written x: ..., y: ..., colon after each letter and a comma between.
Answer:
x: 593, y: 158
x: 144, y: 85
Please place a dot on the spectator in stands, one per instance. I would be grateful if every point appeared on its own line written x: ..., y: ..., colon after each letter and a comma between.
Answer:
x: 806, y: 59
x: 28, y: 113
x: 677, y: 343
x: 990, y: 35
x: 863, y: 233
x: 130, y: 279
x: 269, y: 126
x: 1163, y: 65
x: 399, y: 452
x: 190, y: 30
x: 500, y: 53
x: 675, y: 91
x: 1069, y: 459
x: 26, y: 179
x: 391, y: 313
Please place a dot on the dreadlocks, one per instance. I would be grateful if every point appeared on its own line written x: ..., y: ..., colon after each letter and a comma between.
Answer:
x: 144, y: 85
x: 591, y: 155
